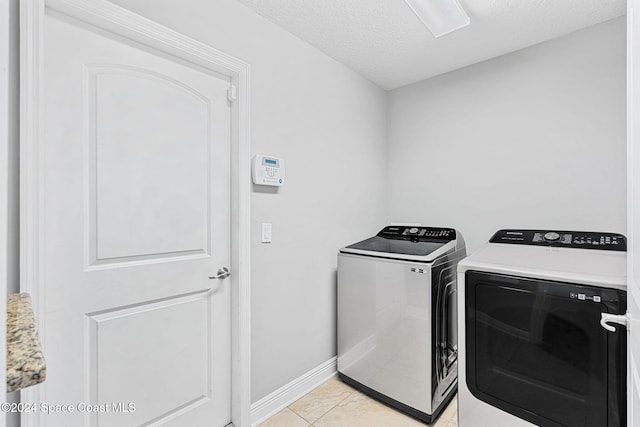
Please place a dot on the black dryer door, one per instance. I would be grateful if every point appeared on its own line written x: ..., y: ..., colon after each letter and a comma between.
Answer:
x: 536, y: 350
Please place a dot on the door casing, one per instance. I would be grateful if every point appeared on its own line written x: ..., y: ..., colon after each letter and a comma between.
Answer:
x: 633, y: 205
x: 117, y: 20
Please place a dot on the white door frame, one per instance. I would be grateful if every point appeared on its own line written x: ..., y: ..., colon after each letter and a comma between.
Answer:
x: 633, y: 203
x: 117, y: 20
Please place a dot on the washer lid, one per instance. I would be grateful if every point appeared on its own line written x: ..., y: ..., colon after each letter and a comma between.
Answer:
x: 401, y: 247
x: 406, y: 242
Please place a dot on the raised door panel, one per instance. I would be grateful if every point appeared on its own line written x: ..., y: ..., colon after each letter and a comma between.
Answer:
x: 128, y: 355
x: 148, y: 167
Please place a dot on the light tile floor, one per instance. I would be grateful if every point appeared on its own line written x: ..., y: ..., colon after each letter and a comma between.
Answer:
x: 335, y: 404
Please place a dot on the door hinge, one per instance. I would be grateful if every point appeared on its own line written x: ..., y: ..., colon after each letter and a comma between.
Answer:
x: 232, y: 93
x: 620, y: 319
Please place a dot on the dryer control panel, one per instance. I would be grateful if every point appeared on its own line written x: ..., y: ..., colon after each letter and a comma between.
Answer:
x: 567, y: 239
x: 418, y: 233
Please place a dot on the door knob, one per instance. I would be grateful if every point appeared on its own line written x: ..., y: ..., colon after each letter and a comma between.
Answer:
x: 223, y: 273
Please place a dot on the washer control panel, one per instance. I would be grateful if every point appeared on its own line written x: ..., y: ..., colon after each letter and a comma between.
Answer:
x: 417, y: 233
x: 568, y: 239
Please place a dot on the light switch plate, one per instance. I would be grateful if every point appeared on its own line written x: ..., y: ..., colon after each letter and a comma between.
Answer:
x: 266, y: 232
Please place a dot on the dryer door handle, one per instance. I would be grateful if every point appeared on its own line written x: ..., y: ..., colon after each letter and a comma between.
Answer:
x: 620, y: 319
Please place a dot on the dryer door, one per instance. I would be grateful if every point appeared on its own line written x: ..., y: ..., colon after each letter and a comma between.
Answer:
x: 536, y: 350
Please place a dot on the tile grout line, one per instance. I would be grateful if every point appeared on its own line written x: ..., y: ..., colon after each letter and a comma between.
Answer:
x: 300, y: 416
x: 352, y: 391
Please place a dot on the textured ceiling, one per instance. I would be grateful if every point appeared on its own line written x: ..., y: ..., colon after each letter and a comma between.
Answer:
x: 385, y: 42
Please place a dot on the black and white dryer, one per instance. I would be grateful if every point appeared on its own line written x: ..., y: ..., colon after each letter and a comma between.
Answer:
x: 533, y: 308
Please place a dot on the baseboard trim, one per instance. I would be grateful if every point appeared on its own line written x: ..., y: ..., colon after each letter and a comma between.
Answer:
x: 289, y: 393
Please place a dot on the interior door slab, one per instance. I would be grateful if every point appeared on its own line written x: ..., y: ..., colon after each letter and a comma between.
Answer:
x: 137, y: 218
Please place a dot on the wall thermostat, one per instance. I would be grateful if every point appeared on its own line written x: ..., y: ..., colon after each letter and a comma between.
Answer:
x: 267, y: 170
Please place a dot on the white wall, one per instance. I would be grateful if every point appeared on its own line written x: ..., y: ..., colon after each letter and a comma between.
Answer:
x: 329, y: 125
x: 533, y: 139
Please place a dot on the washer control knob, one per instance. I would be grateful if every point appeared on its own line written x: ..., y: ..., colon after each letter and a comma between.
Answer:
x: 551, y: 236
x: 413, y: 230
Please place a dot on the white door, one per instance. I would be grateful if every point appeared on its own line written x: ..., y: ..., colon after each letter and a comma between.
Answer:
x: 136, y: 219
x: 633, y: 209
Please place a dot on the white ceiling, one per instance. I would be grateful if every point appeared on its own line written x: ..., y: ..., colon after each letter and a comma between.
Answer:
x: 385, y: 42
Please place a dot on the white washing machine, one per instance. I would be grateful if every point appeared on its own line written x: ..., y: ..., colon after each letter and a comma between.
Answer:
x: 397, y: 319
x: 532, y: 347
